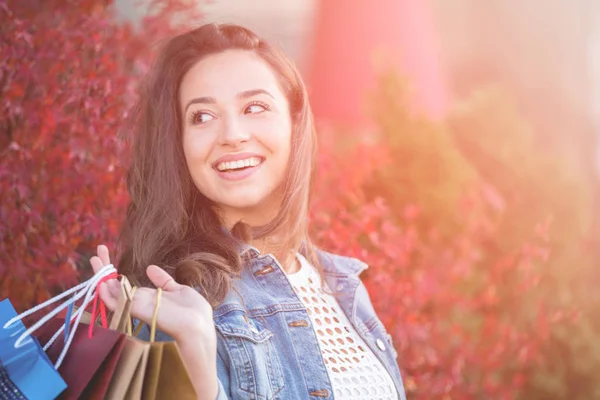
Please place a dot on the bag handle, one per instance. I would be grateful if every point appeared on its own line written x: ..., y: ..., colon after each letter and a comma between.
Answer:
x: 88, y: 298
x: 155, y: 314
x: 89, y: 289
x: 123, y: 311
x: 84, y: 285
x: 154, y: 317
x: 86, y: 288
x: 129, y: 325
x: 121, y: 317
x: 79, y: 313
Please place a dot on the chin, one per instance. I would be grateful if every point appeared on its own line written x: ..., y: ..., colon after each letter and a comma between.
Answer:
x: 242, y: 204
x: 245, y: 201
x: 252, y: 207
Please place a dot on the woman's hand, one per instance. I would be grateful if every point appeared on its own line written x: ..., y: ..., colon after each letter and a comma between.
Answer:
x: 184, y: 314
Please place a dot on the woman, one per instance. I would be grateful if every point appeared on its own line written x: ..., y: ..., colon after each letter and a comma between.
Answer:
x: 223, y: 156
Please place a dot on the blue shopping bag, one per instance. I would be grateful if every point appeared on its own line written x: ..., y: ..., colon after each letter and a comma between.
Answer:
x: 25, y: 367
x: 8, y: 390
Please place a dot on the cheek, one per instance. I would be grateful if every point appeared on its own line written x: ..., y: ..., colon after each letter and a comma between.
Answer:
x: 196, y: 149
x: 278, y: 138
x: 196, y: 145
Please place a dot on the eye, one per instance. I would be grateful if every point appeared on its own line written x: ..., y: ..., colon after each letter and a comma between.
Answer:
x: 200, y: 117
x: 256, y: 107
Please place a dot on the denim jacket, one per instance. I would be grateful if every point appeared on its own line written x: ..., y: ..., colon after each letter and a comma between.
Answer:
x: 263, y: 355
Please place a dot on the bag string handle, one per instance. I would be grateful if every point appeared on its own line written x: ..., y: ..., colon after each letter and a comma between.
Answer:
x: 154, y: 317
x: 84, y: 285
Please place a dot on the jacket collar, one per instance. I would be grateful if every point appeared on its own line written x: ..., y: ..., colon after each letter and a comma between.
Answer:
x: 333, y: 264
x: 336, y: 265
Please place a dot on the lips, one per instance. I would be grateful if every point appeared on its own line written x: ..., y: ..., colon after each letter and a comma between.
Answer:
x: 239, y: 164
x: 235, y: 167
x: 230, y: 158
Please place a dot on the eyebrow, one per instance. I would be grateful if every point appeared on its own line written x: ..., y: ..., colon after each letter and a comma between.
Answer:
x: 211, y: 100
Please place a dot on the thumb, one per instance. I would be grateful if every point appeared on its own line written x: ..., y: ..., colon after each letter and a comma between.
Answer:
x: 161, y: 279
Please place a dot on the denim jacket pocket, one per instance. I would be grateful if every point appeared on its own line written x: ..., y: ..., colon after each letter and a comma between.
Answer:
x: 254, y: 361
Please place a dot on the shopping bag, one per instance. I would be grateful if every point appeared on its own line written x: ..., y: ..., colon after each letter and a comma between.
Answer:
x: 127, y: 382
x: 128, y: 378
x: 136, y: 388
x: 25, y: 364
x: 87, y: 356
x: 90, y: 362
x: 8, y: 389
x: 166, y: 376
x: 25, y: 370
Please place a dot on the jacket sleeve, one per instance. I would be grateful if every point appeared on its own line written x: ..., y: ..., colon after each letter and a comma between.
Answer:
x: 222, y: 370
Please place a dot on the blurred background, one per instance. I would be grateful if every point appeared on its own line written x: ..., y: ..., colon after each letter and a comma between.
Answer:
x: 477, y: 130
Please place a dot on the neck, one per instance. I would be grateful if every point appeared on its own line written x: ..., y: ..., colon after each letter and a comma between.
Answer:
x: 286, y: 256
x: 272, y: 244
x: 258, y: 215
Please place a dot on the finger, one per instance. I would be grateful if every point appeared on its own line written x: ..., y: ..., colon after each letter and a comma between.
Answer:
x: 143, y: 304
x: 114, y: 287
x: 143, y: 307
x: 161, y: 279
x: 103, y: 254
x: 109, y: 290
x: 96, y: 264
x: 107, y: 296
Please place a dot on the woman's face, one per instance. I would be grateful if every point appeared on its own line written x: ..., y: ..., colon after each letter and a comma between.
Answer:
x: 236, y: 134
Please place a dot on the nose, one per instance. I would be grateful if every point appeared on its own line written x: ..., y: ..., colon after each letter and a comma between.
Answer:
x: 233, y: 133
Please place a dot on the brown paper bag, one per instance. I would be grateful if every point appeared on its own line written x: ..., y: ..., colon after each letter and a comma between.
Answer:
x: 90, y: 363
x: 134, y: 392
x: 147, y: 370
x: 166, y: 376
x: 129, y: 373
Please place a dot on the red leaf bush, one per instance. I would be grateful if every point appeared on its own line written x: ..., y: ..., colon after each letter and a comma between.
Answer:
x: 466, y: 255
x: 68, y: 74
x: 447, y: 313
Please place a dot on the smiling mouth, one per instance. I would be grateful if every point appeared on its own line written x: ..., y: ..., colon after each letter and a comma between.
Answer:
x: 239, y: 165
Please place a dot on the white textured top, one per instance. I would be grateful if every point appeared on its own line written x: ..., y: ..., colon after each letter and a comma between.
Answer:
x: 355, y: 372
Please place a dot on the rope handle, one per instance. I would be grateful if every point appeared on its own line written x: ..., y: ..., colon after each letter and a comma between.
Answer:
x: 155, y: 314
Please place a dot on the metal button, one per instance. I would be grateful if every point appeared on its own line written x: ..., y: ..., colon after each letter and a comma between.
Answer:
x: 320, y: 393
x: 340, y: 287
x: 380, y: 345
x: 266, y: 270
x: 299, y: 323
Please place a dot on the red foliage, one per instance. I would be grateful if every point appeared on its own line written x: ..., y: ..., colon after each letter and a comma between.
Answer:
x: 65, y: 90
x: 456, y: 332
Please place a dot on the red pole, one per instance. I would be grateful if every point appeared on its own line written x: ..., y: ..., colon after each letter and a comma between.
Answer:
x: 348, y: 33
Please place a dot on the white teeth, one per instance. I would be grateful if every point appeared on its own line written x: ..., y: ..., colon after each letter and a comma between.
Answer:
x: 248, y: 162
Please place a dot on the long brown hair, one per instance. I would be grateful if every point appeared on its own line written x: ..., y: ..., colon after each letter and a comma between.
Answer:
x: 169, y: 222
